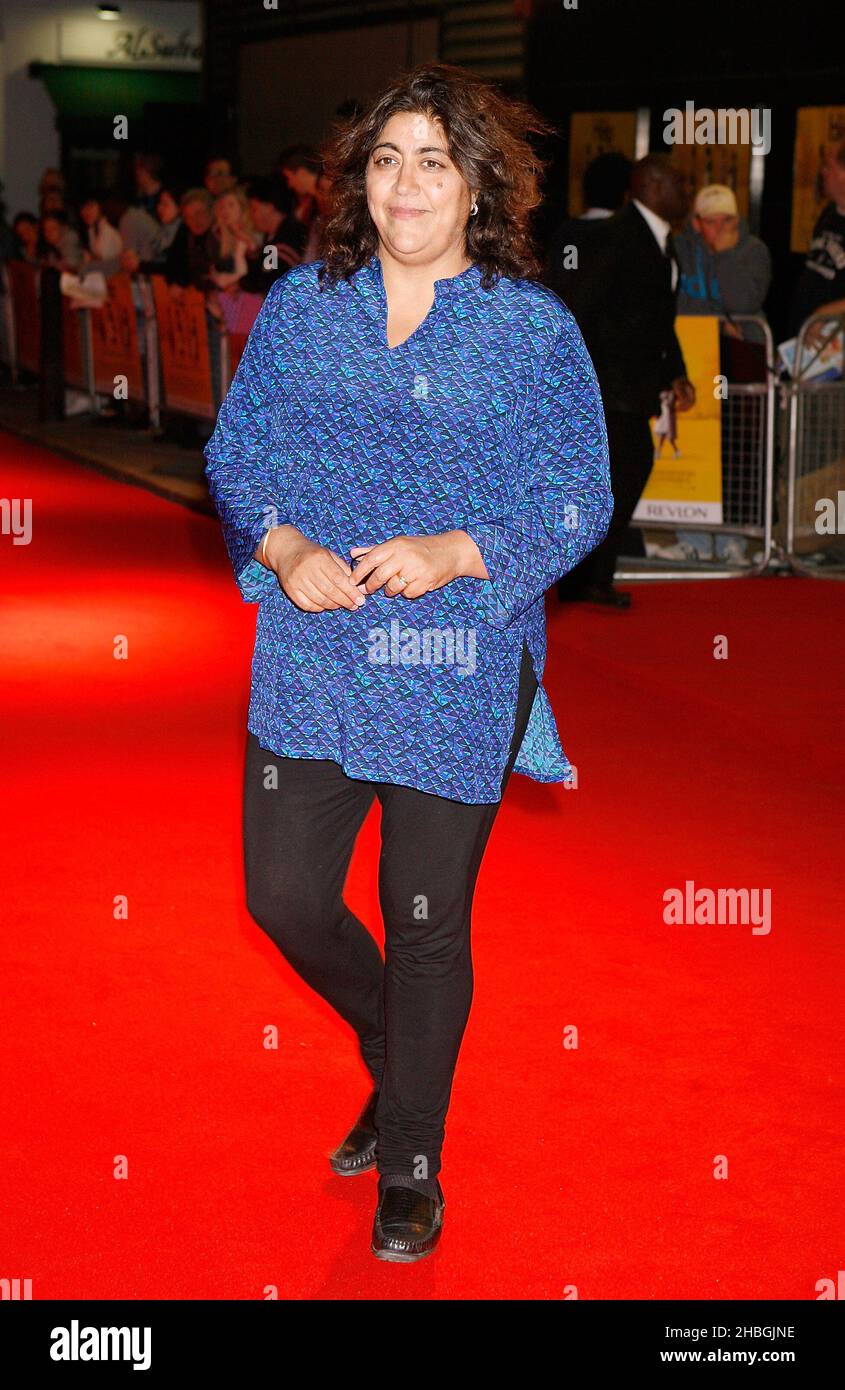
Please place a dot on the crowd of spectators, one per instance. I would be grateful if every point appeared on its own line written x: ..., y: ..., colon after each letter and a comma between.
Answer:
x: 226, y: 236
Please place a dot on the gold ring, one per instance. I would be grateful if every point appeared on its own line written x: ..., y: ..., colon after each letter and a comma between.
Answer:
x: 402, y: 580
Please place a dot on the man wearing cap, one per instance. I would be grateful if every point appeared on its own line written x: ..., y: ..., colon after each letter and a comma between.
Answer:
x: 724, y: 270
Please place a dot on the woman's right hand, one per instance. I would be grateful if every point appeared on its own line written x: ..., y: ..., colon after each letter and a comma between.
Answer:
x: 311, y: 575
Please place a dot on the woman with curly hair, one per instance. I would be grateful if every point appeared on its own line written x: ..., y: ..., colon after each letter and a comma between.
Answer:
x: 411, y: 451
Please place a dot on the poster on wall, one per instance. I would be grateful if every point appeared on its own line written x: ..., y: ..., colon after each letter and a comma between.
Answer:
x: 592, y: 133
x: 685, y: 485
x: 818, y: 129
x: 714, y: 163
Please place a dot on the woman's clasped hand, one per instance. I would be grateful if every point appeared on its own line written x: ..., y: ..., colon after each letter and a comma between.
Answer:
x: 316, y: 579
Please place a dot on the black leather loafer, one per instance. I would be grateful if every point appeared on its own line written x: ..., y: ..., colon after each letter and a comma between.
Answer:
x: 357, y: 1153
x: 407, y: 1224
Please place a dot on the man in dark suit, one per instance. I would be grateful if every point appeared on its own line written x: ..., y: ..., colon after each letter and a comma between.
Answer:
x: 622, y: 294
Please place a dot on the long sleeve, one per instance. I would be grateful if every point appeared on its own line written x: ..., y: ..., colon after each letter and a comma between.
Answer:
x: 567, y: 503
x: 242, y: 454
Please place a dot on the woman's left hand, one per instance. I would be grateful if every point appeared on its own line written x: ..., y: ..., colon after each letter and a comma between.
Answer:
x: 422, y: 562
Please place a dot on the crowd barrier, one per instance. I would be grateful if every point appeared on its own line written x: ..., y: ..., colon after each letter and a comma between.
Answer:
x: 157, y: 344
x: 814, y: 433
x: 149, y: 342
x: 748, y: 414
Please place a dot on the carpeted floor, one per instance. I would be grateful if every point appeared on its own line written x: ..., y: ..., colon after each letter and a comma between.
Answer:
x: 137, y: 1039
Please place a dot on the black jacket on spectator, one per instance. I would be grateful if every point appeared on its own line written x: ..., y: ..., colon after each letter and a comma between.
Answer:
x: 290, y: 234
x: 190, y: 259
x: 823, y: 277
x: 622, y: 298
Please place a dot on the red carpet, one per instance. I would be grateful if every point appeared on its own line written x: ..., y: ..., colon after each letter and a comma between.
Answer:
x: 591, y: 1167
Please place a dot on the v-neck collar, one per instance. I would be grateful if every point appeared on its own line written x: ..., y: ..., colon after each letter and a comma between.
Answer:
x: 369, y: 278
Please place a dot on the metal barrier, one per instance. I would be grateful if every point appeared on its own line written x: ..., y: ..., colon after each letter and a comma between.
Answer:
x: 157, y: 339
x: 748, y: 447
x: 814, y: 411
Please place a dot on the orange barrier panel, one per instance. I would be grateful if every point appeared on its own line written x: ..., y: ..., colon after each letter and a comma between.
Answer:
x: 114, y: 341
x: 183, y: 348
x: 23, y: 283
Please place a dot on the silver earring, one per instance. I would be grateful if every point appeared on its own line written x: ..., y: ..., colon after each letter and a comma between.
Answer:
x: 473, y: 210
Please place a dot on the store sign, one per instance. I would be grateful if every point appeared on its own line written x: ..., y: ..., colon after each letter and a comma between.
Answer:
x: 135, y: 43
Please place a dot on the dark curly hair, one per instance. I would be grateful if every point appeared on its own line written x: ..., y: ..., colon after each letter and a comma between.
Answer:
x: 487, y: 135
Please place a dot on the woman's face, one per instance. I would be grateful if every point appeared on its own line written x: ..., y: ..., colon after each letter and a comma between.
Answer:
x: 51, y: 231
x: 167, y: 209
x: 228, y: 210
x: 418, y: 200
x: 27, y: 233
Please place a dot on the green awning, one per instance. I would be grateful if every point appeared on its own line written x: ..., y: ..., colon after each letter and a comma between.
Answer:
x: 104, y: 93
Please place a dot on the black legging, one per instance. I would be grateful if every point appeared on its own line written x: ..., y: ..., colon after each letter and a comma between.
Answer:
x: 410, y: 1011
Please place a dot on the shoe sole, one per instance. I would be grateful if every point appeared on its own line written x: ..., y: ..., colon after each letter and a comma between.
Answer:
x: 353, y: 1172
x: 399, y: 1257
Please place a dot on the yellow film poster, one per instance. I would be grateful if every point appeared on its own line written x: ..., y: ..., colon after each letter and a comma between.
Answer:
x: 592, y: 133
x: 819, y: 128
x: 685, y: 485
x: 703, y: 164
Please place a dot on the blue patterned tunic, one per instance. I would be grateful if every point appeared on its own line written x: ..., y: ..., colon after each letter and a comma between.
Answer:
x: 486, y: 419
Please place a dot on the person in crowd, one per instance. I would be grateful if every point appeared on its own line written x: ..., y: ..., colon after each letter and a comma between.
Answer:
x: 725, y: 271
x: 51, y: 192
x: 168, y: 221
x: 623, y: 296
x: 323, y: 195
x: 103, y: 242
x: 146, y: 169
x: 346, y: 515
x: 218, y: 176
x: 169, y: 218
x: 234, y: 236
x: 190, y: 256
x: 604, y: 191
x: 53, y: 201
x: 299, y: 167
x: 282, y: 235
x: 139, y: 235
x: 821, y: 285
x: 139, y: 231
x: 59, y: 244
x: 27, y: 233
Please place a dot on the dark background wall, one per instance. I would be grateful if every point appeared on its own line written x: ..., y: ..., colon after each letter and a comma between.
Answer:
x: 619, y: 56
x: 604, y: 55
